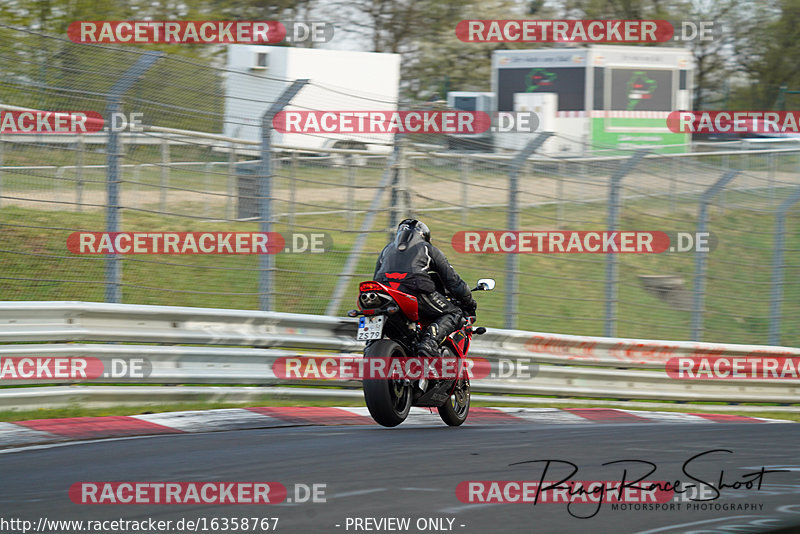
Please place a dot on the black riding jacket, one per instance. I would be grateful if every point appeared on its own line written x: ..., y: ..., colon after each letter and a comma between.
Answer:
x: 411, y: 267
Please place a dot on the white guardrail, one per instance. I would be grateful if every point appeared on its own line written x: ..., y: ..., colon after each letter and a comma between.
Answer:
x: 184, y: 345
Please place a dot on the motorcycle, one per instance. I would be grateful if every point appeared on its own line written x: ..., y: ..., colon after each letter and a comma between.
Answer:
x: 389, y: 322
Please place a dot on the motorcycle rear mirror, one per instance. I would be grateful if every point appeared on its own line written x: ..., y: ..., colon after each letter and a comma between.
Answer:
x: 485, y: 284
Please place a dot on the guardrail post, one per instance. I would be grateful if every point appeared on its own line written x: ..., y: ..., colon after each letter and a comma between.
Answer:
x: 266, y: 262
x: 512, y: 260
x: 113, y: 150
x: 700, y: 256
x: 612, y: 260
x: 350, y: 264
x: 776, y: 299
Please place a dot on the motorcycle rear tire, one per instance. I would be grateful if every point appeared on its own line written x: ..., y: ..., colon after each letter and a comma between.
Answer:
x: 388, y: 401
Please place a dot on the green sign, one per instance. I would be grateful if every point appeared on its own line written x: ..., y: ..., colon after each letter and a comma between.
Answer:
x: 656, y: 141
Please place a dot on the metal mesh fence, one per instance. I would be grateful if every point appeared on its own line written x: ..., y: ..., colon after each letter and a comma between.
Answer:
x: 181, y: 174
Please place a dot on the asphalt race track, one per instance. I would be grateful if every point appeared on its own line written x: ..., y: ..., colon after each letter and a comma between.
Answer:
x: 372, y: 473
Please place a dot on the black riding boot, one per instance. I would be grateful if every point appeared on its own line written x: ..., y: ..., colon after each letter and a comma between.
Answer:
x: 436, y: 332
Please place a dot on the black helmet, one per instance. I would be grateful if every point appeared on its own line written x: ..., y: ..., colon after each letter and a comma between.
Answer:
x: 405, y: 230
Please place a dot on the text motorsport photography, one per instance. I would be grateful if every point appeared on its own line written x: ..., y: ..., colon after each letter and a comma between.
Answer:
x: 634, y: 491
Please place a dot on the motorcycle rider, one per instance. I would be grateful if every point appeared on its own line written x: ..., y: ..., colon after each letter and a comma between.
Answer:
x: 407, y: 264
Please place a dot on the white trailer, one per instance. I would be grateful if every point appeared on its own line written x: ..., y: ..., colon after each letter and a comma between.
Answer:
x: 340, y: 81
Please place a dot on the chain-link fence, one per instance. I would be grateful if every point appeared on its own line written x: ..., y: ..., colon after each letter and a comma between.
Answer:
x: 181, y: 174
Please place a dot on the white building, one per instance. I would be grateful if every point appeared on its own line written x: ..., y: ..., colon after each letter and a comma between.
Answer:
x: 600, y: 96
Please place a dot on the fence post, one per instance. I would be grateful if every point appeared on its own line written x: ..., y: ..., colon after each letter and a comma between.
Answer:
x: 350, y: 264
x: 351, y: 184
x: 79, y: 174
x: 1, y: 170
x: 229, y: 189
x: 58, y: 183
x: 266, y: 263
x: 164, y: 174
x: 700, y: 256
x: 408, y: 176
x: 512, y: 260
x: 395, y: 193
x: 292, y: 186
x: 584, y: 167
x: 612, y: 260
x: 771, y: 177
x: 208, y: 170
x: 137, y: 177
x: 776, y: 299
x: 462, y: 168
x: 114, y: 105
x: 403, y: 181
x: 560, y: 194
x: 672, y: 183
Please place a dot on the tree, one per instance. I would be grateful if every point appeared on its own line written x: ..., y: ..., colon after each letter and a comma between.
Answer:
x: 767, y: 49
x: 440, y: 62
x: 713, y: 61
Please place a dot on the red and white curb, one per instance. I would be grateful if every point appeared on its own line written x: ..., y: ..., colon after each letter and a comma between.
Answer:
x: 79, y: 428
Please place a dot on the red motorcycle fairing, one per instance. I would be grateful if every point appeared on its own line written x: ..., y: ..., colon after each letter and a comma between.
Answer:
x: 460, y: 342
x: 408, y: 303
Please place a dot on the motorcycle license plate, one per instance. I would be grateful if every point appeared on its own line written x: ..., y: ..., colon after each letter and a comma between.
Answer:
x: 370, y: 327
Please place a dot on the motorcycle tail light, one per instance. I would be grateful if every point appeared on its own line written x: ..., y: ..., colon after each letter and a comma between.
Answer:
x: 370, y: 286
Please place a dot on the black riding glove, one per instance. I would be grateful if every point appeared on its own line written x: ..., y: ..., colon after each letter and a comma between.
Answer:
x: 469, y: 305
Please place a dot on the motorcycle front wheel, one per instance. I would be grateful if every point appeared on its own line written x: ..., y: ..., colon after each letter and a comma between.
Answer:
x: 388, y: 401
x: 455, y: 410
